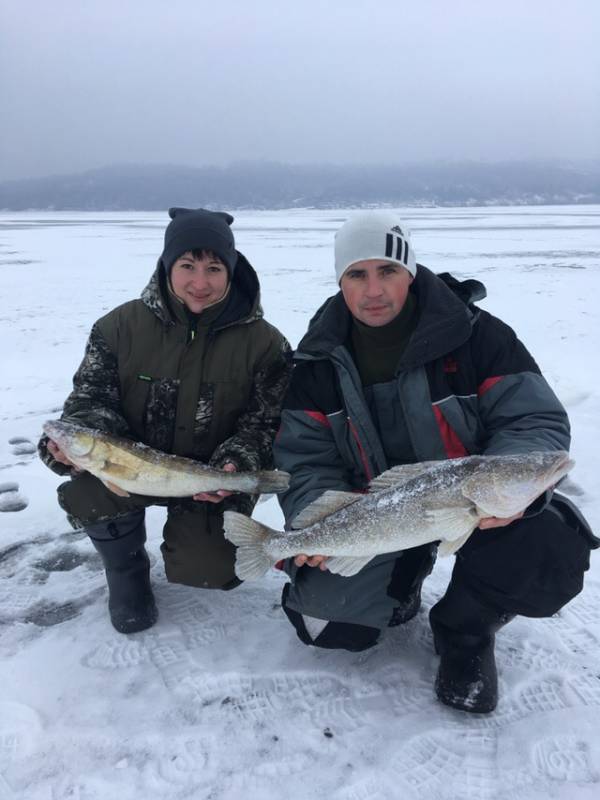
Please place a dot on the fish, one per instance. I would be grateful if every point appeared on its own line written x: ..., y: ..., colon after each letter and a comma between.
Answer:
x: 406, y: 506
x: 135, y: 468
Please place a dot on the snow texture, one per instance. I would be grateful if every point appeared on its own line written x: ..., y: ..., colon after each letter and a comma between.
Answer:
x: 220, y: 700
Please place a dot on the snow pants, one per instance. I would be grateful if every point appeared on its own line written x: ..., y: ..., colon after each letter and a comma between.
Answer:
x: 532, y: 567
x: 194, y: 548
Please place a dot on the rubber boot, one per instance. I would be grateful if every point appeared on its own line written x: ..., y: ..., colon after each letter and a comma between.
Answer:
x: 464, y: 631
x: 120, y: 543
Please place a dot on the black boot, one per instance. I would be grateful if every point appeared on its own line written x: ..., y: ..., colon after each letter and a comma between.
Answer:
x: 120, y: 543
x: 464, y: 630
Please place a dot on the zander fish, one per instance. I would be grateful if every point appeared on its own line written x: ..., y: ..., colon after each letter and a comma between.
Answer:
x: 134, y: 467
x: 406, y: 506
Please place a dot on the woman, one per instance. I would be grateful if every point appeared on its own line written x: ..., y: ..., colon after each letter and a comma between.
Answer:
x: 191, y: 368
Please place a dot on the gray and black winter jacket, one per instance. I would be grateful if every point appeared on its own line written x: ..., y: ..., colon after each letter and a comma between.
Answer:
x: 464, y: 385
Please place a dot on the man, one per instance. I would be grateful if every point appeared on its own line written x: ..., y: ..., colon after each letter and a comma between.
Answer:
x: 400, y: 367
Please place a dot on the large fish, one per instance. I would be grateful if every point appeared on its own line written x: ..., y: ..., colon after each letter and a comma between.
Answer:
x: 406, y: 506
x: 134, y: 467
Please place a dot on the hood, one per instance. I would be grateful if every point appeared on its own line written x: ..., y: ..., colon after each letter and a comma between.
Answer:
x: 243, y: 304
x: 445, y: 320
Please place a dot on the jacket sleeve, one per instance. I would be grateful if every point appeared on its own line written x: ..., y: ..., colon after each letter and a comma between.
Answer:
x: 251, y: 445
x: 95, y: 401
x: 305, y: 446
x: 519, y: 411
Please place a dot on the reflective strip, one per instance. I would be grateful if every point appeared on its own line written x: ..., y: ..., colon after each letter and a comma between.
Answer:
x: 452, y: 397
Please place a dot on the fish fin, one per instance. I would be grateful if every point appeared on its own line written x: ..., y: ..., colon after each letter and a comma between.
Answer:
x: 326, y: 504
x: 249, y: 536
x: 401, y: 474
x: 116, y: 489
x: 272, y: 481
x: 347, y: 565
x: 452, y: 523
x: 449, y: 547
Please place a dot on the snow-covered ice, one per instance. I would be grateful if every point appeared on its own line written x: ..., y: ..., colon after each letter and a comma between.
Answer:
x: 220, y: 700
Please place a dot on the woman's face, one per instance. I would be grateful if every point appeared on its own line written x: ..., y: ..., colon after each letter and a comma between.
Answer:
x: 199, y: 282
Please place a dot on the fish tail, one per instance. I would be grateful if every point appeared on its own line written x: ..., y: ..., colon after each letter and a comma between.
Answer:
x: 249, y: 536
x: 272, y: 481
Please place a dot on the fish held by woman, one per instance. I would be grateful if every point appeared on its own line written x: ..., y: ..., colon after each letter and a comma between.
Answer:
x: 138, y: 469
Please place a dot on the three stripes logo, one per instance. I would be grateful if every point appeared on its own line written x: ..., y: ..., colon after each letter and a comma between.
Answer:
x: 397, y: 245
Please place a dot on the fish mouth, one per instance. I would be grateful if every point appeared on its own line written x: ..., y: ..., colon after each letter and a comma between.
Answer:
x: 66, y: 439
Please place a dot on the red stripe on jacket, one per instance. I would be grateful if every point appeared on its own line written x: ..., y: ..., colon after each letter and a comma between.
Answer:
x: 319, y: 417
x: 452, y: 444
x: 487, y: 384
x: 363, y: 456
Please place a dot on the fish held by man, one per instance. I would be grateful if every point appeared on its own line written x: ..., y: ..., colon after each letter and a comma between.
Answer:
x: 138, y: 469
x: 406, y: 506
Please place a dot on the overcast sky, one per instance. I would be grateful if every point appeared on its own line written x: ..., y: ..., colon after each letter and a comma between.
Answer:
x: 85, y: 84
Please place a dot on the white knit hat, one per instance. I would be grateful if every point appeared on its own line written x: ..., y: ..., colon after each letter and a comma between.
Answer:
x: 373, y: 234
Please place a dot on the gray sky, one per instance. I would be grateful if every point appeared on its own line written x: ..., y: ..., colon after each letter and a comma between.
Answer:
x: 84, y: 84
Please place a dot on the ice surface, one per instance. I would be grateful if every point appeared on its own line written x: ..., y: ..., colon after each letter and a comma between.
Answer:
x: 220, y: 700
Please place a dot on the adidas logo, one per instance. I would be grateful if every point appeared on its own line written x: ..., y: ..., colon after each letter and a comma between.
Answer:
x: 397, y: 229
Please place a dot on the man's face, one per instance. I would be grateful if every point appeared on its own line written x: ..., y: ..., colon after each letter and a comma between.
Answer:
x: 375, y: 290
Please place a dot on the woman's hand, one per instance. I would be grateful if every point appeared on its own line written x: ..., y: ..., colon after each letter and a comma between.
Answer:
x: 58, y: 455
x: 216, y: 497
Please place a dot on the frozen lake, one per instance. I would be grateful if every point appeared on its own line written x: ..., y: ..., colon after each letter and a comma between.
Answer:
x: 219, y: 700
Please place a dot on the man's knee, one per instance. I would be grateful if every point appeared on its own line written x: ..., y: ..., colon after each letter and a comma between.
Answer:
x: 532, y: 567
x: 330, y: 635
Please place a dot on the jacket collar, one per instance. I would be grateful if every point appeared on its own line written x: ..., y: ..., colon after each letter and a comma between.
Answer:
x: 444, y: 324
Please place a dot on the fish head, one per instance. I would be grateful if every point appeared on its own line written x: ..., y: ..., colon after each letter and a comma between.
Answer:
x: 75, y: 441
x: 503, y: 486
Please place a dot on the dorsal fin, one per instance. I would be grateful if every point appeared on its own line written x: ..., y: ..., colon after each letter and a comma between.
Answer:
x: 328, y: 503
x: 401, y: 474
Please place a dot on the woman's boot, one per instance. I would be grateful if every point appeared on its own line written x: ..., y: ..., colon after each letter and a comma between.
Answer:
x: 120, y: 543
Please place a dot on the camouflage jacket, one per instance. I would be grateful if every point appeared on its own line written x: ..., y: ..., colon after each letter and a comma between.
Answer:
x: 205, y: 386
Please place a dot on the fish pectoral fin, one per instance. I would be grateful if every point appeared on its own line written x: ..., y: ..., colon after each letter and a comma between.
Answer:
x: 328, y: 503
x: 116, y: 489
x: 452, y: 523
x: 347, y: 565
x: 401, y: 474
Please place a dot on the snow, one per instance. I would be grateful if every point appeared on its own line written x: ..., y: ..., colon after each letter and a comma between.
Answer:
x: 220, y: 700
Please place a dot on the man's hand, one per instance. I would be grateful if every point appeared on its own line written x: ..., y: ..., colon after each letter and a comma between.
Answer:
x: 311, y: 561
x: 498, y: 522
x: 216, y: 497
x: 58, y: 455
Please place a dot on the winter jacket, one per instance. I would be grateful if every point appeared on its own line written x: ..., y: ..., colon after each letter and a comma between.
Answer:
x: 198, y: 386
x: 464, y: 385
